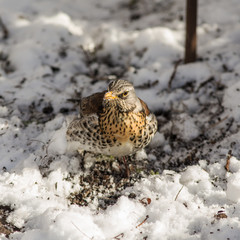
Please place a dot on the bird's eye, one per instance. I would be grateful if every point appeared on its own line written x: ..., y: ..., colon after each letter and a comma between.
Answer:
x: 124, y: 94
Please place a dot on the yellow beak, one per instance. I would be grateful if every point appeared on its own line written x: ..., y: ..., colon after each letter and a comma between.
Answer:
x: 109, y: 96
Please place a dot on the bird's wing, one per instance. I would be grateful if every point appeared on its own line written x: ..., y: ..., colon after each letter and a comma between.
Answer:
x: 145, y: 107
x: 92, y: 104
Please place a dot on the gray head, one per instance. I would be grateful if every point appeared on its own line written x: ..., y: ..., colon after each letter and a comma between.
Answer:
x: 121, y: 94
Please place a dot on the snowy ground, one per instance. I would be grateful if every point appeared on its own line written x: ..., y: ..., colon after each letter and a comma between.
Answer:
x: 53, y: 51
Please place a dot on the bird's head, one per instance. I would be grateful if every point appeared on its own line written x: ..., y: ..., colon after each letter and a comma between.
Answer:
x: 121, y: 94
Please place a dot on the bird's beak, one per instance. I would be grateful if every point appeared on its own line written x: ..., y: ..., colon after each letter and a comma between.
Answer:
x: 109, y: 96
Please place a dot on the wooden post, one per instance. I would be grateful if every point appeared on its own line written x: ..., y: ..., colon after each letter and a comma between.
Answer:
x: 191, y: 33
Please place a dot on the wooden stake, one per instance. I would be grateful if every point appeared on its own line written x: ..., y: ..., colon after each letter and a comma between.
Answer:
x: 191, y: 33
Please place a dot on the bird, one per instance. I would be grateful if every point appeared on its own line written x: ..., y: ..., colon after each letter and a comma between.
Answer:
x: 114, y: 122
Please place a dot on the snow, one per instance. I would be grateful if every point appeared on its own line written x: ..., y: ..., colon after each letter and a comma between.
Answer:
x: 61, y: 50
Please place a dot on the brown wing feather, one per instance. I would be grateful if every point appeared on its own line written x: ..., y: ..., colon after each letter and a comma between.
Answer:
x: 145, y: 107
x: 92, y: 104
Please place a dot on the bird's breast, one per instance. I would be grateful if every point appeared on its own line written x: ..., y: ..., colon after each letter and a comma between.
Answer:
x: 122, y: 126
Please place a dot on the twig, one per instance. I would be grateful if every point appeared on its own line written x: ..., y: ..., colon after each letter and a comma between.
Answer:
x: 4, y: 29
x: 45, y: 145
x: 216, y: 124
x: 178, y: 193
x: 140, y: 224
x: 127, y: 170
x: 81, y: 231
x: 202, y: 84
x: 119, y: 236
x: 228, y: 160
x: 174, y: 73
x: 230, y: 124
x: 74, y: 100
x: 148, y: 85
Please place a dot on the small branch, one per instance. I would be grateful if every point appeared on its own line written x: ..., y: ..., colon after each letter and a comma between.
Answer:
x: 174, y: 73
x: 4, y: 29
x: 210, y: 79
x: 74, y: 100
x: 45, y: 145
x: 178, y: 193
x: 119, y: 236
x: 230, y: 124
x: 140, y: 224
x: 228, y: 160
x: 81, y: 231
x: 127, y: 170
x: 216, y: 124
